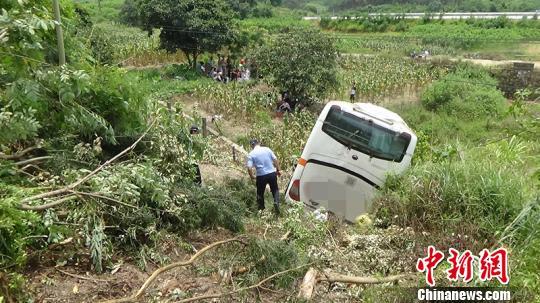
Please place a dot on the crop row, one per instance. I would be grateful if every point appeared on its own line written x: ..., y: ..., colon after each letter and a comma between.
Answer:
x: 236, y: 99
x: 379, y: 76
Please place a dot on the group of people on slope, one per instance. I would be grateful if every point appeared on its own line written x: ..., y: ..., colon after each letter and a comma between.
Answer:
x: 225, y: 69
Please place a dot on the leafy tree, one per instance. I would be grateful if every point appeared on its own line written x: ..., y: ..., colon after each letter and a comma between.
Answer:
x: 129, y: 13
x: 253, y: 8
x: 435, y: 6
x: 192, y: 26
x: 243, y: 7
x: 303, y: 62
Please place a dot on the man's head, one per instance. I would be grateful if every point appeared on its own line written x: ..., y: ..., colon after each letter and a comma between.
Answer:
x: 194, y: 130
x: 253, y: 142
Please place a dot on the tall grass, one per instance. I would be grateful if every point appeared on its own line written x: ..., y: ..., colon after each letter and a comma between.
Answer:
x: 477, y: 192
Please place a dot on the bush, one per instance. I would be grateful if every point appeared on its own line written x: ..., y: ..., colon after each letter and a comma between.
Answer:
x: 402, y: 26
x: 278, y: 256
x: 306, y: 230
x: 262, y: 11
x: 15, y: 227
x: 97, y: 103
x: 466, y: 92
x: 223, y: 206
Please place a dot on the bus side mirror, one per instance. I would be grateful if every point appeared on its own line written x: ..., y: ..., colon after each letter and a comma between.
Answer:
x: 405, y: 136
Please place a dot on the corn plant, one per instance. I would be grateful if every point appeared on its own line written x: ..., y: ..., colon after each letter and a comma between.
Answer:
x: 286, y: 139
x: 380, y: 76
x: 236, y: 100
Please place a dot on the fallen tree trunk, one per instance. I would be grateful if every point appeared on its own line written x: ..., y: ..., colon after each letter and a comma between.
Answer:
x: 313, y: 276
x: 334, y: 277
x: 308, y: 284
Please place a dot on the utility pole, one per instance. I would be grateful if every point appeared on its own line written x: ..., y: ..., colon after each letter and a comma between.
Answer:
x: 59, y: 34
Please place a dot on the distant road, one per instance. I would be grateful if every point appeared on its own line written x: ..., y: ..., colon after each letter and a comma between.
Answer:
x: 448, y: 16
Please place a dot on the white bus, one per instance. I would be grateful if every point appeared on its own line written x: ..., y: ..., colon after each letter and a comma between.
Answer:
x: 347, y: 157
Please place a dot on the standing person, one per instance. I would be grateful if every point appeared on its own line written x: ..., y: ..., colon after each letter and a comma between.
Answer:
x: 266, y: 165
x: 220, y: 62
x: 194, y: 130
x: 247, y: 75
x: 229, y: 68
x: 202, y: 68
x: 353, y: 92
x: 214, y: 74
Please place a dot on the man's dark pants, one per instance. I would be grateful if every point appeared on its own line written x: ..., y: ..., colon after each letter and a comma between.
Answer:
x: 261, y: 182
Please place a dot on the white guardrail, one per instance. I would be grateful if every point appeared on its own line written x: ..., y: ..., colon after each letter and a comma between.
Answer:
x: 446, y: 16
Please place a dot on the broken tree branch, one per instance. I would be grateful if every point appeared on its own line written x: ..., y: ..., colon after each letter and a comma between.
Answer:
x: 257, y: 286
x: 73, y: 185
x: 32, y: 160
x: 334, y: 277
x: 100, y: 196
x: 285, y: 236
x: 82, y: 277
x: 18, y: 155
x: 163, y: 269
x: 48, y: 205
x: 266, y: 230
x: 313, y: 276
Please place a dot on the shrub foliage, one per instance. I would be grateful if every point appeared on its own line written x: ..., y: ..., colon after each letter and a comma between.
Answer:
x: 467, y: 92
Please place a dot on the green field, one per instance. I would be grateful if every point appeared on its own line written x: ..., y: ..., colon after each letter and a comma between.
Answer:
x: 472, y: 38
x: 102, y: 10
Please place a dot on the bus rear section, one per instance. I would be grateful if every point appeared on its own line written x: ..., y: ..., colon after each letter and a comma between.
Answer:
x: 349, y: 153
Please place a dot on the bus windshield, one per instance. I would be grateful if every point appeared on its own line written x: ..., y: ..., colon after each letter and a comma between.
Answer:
x: 365, y: 136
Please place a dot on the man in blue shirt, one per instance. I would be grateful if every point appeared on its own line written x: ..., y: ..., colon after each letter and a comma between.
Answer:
x: 266, y: 165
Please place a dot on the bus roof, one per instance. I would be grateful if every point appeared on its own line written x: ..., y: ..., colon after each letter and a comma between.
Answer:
x: 391, y: 119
